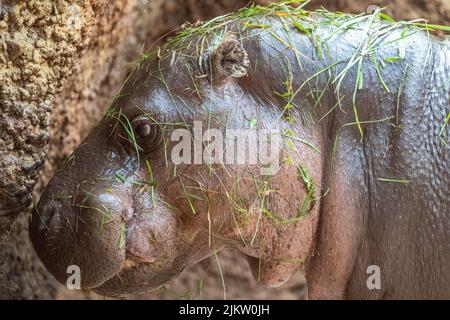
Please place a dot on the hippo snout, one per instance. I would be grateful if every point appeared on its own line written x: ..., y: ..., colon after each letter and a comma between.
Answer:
x: 87, y: 232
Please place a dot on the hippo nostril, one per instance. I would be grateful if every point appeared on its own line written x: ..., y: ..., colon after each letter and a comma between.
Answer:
x: 46, y: 213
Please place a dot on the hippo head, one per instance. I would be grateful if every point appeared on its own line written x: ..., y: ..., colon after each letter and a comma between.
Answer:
x: 195, y: 154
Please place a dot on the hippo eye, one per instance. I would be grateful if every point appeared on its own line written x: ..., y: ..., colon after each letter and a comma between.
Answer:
x: 143, y: 130
x: 147, y: 133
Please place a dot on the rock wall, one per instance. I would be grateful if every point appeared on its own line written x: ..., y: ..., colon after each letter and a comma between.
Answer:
x: 40, y: 43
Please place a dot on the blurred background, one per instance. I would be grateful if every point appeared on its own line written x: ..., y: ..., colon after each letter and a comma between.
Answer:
x: 120, y: 30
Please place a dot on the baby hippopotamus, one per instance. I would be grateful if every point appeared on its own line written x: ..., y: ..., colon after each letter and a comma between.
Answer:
x: 312, y: 141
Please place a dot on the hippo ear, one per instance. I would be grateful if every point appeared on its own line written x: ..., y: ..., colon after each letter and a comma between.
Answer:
x: 229, y: 59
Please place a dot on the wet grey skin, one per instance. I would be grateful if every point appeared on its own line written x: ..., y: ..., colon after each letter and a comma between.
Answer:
x: 376, y: 156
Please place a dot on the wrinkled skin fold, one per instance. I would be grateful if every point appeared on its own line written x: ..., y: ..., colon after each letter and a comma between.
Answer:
x: 363, y: 167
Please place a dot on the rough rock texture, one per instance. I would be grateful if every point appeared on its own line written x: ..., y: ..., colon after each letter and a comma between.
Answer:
x: 40, y: 41
x: 69, y: 58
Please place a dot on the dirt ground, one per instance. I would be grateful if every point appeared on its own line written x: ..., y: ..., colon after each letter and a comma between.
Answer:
x: 84, y: 96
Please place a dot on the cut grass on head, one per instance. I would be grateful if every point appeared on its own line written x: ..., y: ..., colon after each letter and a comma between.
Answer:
x: 441, y: 132
x: 308, y: 183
